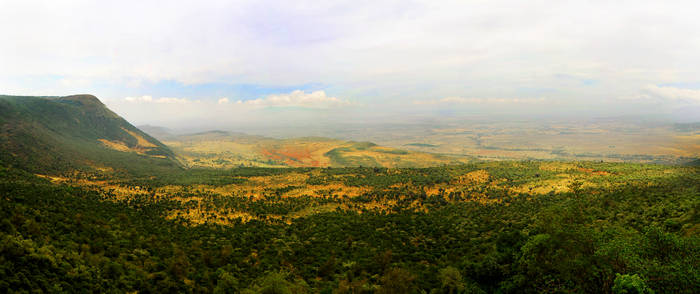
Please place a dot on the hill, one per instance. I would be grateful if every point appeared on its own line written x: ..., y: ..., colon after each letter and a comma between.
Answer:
x: 157, y: 132
x: 59, y: 134
x: 220, y: 149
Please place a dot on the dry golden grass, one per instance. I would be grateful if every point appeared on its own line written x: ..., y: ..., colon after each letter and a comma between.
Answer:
x: 228, y: 152
x: 557, y: 166
x: 140, y: 141
x: 475, y: 177
x: 116, y: 145
x: 142, y: 145
x: 199, y: 216
x: 558, y: 185
x: 688, y: 145
x: 604, y: 140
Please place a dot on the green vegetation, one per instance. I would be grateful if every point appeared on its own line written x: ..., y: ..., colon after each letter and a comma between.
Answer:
x: 339, y: 159
x: 88, y: 203
x: 621, y: 228
x: 370, y: 155
x: 58, y: 134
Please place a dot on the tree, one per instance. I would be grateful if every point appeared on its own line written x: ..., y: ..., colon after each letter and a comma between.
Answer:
x: 277, y: 283
x: 397, y: 280
x: 226, y: 283
x: 451, y: 280
x: 630, y: 284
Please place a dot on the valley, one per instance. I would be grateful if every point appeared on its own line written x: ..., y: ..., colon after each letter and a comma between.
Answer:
x: 91, y: 203
x: 439, y: 143
x: 608, y: 139
x: 219, y: 149
x: 350, y: 147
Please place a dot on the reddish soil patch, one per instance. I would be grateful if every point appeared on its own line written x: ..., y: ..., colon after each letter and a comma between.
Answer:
x: 299, y: 157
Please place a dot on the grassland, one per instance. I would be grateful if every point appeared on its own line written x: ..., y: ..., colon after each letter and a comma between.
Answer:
x: 612, y: 140
x: 227, y: 150
x: 447, y: 142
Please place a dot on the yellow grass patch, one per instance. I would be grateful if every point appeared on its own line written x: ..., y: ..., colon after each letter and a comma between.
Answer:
x: 141, y: 141
x: 556, y: 166
x: 115, y: 145
x: 475, y: 177
x: 556, y: 186
x: 199, y: 216
x: 53, y: 179
x: 122, y: 147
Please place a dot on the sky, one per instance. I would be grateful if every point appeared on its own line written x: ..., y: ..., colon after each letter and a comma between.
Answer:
x: 239, y: 64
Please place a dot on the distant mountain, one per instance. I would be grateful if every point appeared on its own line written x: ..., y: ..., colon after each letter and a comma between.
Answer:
x: 58, y: 134
x: 687, y: 127
x: 160, y: 133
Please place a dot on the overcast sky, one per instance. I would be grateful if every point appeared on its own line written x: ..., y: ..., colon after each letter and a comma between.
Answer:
x: 220, y: 63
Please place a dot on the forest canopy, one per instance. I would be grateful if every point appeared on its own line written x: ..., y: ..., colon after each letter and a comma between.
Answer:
x: 479, y: 228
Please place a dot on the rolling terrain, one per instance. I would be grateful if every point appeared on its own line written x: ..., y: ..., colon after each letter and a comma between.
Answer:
x: 607, y: 139
x: 89, y: 203
x: 219, y: 149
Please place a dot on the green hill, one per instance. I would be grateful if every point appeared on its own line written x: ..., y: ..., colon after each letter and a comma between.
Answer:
x: 58, y: 134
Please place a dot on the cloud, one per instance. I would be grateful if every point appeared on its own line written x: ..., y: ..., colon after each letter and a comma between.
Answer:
x: 669, y: 94
x: 163, y: 100
x: 298, y: 98
x: 460, y: 100
x: 285, y: 42
x: 278, y: 110
x: 386, y: 53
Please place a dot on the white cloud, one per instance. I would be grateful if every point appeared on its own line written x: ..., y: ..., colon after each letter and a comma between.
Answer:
x: 669, y: 94
x: 298, y: 98
x: 298, y: 106
x: 461, y: 100
x: 145, y: 99
x: 379, y: 52
x: 268, y: 42
x: 162, y: 100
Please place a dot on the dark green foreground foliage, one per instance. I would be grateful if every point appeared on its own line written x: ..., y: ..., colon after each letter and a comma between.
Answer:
x: 641, y: 237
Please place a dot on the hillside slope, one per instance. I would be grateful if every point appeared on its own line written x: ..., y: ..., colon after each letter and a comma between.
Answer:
x: 59, y: 134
